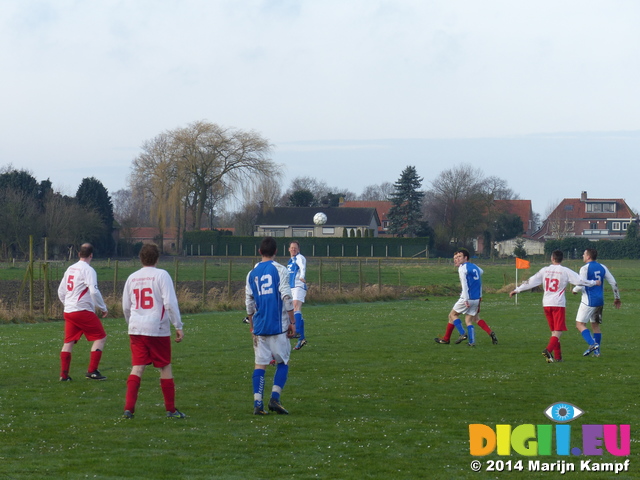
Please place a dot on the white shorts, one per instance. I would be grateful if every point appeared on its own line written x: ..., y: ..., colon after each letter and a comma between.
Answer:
x: 472, y: 309
x: 587, y: 313
x: 271, y: 346
x: 299, y: 293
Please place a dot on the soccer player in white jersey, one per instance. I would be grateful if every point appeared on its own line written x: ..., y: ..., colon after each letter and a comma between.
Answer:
x: 79, y: 293
x: 554, y: 280
x: 592, y: 302
x: 468, y: 303
x: 150, y: 307
x: 270, y: 311
x: 297, y: 267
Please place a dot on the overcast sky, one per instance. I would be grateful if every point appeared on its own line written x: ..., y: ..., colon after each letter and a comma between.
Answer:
x: 541, y: 93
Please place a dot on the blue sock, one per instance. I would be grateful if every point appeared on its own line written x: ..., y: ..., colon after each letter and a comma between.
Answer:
x: 299, y: 323
x: 258, y: 387
x: 280, y: 377
x: 586, y: 334
x: 471, y: 334
x: 458, y: 324
x: 598, y: 338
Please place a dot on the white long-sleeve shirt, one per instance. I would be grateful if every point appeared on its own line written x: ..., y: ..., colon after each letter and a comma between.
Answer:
x: 150, y: 304
x: 78, y: 289
x: 554, y: 280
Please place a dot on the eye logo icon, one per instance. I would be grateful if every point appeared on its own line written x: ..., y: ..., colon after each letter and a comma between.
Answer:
x: 562, y: 412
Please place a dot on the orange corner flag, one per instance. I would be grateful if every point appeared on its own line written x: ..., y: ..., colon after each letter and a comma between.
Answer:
x: 521, y: 264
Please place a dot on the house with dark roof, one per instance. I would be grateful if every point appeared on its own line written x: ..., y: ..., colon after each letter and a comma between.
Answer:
x: 298, y: 222
x: 592, y: 218
x: 382, y: 209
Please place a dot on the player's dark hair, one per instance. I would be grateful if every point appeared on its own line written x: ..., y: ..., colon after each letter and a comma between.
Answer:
x: 557, y: 256
x: 149, y: 254
x: 592, y: 252
x: 268, y: 247
x: 464, y: 252
x: 86, y: 250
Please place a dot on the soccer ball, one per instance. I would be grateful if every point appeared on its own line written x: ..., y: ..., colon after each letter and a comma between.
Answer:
x: 319, y: 218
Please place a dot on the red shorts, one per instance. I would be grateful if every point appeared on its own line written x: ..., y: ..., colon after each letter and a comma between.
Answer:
x: 556, y: 318
x: 147, y: 350
x: 82, y: 322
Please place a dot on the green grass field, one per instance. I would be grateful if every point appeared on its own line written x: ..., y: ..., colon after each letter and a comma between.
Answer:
x: 371, y: 396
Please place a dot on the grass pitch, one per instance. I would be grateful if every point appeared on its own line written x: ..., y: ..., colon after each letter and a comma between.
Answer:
x: 371, y: 396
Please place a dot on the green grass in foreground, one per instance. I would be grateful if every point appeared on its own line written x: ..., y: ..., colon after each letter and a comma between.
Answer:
x: 371, y: 396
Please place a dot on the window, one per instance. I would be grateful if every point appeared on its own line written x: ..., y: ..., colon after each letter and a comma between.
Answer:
x: 609, y: 207
x: 328, y: 230
x: 302, y: 232
x: 625, y: 225
x: 568, y: 207
x: 615, y: 226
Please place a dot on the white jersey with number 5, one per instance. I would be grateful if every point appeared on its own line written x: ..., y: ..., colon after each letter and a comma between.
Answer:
x: 149, y: 303
x: 554, y: 280
x: 78, y: 289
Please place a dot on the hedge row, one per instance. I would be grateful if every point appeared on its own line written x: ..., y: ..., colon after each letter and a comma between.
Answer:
x: 629, y: 248
x: 211, y: 243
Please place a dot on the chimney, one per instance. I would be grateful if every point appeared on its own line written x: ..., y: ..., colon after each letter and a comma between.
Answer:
x: 583, y: 197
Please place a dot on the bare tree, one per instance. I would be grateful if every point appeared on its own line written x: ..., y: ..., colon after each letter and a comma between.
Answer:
x: 373, y: 193
x: 211, y: 156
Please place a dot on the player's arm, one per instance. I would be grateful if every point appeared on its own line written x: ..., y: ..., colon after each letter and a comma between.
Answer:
x: 126, y: 302
x: 614, y: 286
x: 249, y: 301
x: 62, y: 289
x: 302, y: 265
x: 170, y: 302
x: 92, y: 283
x: 287, y: 298
x: 532, y: 282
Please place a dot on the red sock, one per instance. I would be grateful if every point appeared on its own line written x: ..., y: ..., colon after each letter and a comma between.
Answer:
x: 169, y: 393
x: 94, y: 360
x: 65, y: 363
x: 483, y: 325
x: 447, y: 334
x: 553, y: 344
x: 133, y: 385
x: 557, y: 353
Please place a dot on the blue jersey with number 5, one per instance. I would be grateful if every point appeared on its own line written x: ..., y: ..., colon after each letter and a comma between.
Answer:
x: 264, y: 282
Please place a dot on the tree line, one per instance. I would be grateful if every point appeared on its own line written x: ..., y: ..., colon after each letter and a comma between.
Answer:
x: 29, y: 208
x: 205, y: 175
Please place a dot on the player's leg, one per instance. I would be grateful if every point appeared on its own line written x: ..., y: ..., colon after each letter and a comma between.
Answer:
x: 454, y: 323
x: 596, y: 321
x: 262, y: 357
x: 71, y: 335
x: 65, y: 361
x: 281, y: 349
x: 299, y: 295
x: 554, y: 340
x: 94, y: 359
x: 582, y: 317
x: 133, y: 387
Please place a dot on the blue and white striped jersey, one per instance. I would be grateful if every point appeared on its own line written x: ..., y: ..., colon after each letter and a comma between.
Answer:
x: 268, y: 297
x: 471, y: 281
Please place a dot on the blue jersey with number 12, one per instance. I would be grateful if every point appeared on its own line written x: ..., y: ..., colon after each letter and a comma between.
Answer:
x: 264, y: 282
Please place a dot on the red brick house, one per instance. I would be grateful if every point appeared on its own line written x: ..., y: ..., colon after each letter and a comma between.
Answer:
x: 592, y: 218
x: 382, y: 208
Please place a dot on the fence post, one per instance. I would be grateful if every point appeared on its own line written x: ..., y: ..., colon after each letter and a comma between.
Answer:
x: 115, y: 278
x: 229, y: 279
x: 31, y: 276
x: 340, y: 275
x: 320, y: 275
x: 379, y: 276
x: 175, y: 274
x: 204, y: 282
x: 360, y: 275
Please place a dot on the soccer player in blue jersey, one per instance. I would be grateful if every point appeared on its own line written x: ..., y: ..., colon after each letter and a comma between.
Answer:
x: 297, y: 267
x: 592, y: 302
x: 270, y: 312
x: 468, y: 303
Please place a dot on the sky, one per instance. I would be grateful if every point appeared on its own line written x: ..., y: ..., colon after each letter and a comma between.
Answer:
x: 542, y: 94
